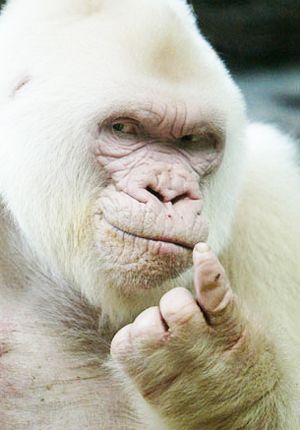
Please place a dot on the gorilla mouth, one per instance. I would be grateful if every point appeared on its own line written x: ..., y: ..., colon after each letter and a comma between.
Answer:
x: 162, y: 239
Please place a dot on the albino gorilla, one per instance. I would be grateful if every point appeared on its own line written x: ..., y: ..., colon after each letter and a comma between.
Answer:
x: 149, y: 234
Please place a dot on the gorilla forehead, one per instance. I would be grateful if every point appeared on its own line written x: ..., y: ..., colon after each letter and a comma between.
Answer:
x: 162, y: 42
x: 100, y: 53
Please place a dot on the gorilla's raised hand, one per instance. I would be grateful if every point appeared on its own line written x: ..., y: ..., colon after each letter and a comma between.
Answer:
x: 200, y: 364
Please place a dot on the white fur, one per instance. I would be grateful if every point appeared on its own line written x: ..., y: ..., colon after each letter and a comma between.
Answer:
x: 81, y: 59
x: 54, y: 113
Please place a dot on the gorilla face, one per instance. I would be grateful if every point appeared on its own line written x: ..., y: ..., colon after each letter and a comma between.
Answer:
x: 150, y: 216
x: 121, y: 146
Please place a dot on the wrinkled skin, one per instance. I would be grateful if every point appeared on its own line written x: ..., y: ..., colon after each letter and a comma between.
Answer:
x: 157, y: 162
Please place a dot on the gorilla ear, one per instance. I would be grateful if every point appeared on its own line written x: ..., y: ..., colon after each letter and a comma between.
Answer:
x: 51, y: 9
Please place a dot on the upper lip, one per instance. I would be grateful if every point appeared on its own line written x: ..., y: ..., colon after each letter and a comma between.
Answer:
x: 166, y: 239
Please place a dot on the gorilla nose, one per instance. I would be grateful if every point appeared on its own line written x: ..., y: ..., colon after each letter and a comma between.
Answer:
x: 173, y: 185
x: 163, y: 182
x: 166, y: 196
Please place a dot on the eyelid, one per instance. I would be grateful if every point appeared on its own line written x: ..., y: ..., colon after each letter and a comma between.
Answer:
x: 200, y: 141
x: 134, y: 126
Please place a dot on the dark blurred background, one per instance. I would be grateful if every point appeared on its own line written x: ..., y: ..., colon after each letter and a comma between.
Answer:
x: 252, y: 31
x: 259, y: 40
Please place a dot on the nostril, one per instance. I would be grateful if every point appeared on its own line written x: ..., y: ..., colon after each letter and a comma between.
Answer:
x: 178, y: 198
x: 159, y: 196
x: 162, y: 198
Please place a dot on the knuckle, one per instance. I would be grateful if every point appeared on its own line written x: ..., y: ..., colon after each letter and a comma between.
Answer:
x: 186, y: 314
x: 210, y: 270
x: 148, y: 324
x: 121, y: 341
x: 179, y: 306
x: 237, y: 341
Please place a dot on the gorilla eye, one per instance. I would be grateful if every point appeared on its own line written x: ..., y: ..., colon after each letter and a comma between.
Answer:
x: 190, y: 138
x: 118, y: 127
x: 125, y: 128
x: 203, y: 142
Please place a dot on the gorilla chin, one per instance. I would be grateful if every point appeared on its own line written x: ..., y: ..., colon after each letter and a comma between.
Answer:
x: 134, y: 261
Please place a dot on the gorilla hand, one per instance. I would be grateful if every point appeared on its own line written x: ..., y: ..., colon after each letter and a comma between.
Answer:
x: 185, y: 350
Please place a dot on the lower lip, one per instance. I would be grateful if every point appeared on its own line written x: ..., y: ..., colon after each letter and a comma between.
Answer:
x: 159, y: 247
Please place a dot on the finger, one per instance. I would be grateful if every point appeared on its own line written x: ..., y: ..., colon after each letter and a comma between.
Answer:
x: 180, y: 310
x: 121, y: 343
x: 148, y: 327
x: 214, y: 293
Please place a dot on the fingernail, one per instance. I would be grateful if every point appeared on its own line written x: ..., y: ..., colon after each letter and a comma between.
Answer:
x: 201, y: 247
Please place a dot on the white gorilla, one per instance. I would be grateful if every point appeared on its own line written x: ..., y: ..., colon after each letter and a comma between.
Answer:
x: 134, y: 189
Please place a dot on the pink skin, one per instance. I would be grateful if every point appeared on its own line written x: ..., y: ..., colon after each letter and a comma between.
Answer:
x: 178, y: 309
x: 155, y: 166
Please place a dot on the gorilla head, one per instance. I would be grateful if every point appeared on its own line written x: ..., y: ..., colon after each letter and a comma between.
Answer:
x: 120, y: 142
